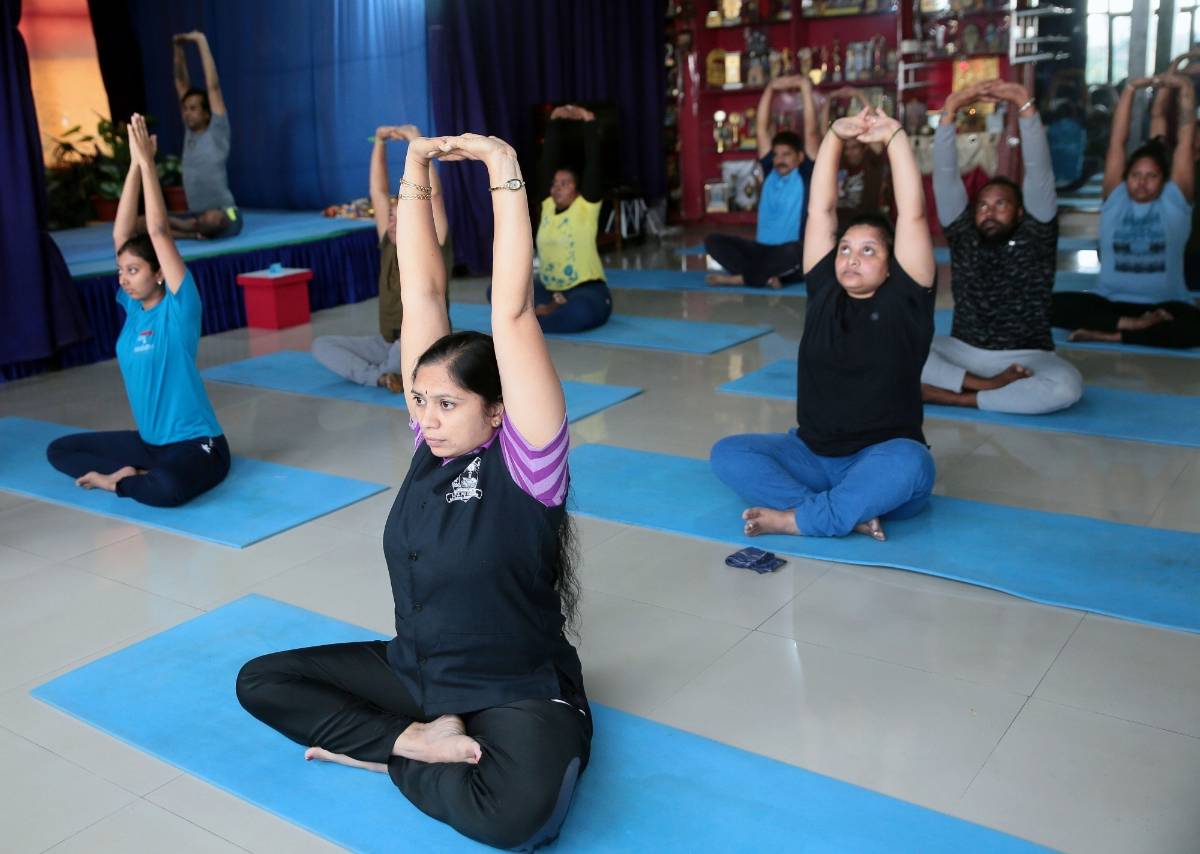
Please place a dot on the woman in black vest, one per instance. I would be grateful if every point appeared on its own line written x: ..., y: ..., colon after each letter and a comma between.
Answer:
x: 476, y: 708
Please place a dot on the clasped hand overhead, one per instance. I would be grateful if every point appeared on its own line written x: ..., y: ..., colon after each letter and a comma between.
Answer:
x: 867, y: 126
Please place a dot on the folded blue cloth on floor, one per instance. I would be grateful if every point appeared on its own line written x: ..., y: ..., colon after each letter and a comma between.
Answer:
x: 755, y: 559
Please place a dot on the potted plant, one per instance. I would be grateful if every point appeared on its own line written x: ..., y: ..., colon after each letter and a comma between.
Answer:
x: 111, y: 167
x: 170, y: 175
x: 70, y: 180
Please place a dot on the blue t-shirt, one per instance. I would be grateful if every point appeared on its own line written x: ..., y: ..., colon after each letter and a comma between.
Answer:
x: 1141, y: 246
x: 783, y: 202
x: 157, y: 354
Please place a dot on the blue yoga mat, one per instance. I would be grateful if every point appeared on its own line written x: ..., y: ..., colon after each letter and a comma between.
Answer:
x: 627, y: 330
x: 88, y: 251
x: 1075, y: 203
x: 1161, y: 419
x: 695, y: 249
x: 647, y: 787
x: 299, y: 373
x: 943, y: 321
x: 692, y: 280
x: 1142, y: 574
x: 255, y: 501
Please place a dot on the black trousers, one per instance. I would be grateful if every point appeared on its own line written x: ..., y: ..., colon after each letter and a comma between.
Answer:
x: 756, y: 262
x: 346, y: 699
x: 175, y: 473
x: 1092, y: 311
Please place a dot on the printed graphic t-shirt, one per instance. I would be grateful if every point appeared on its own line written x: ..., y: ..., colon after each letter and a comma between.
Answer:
x: 1141, y: 246
x: 566, y: 245
x: 156, y: 351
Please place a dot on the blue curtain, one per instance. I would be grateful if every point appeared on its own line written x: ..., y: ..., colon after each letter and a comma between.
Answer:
x: 40, y: 313
x: 492, y: 63
x: 306, y: 83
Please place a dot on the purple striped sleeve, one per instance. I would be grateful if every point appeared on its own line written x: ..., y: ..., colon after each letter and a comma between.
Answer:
x: 540, y: 472
x: 416, y: 430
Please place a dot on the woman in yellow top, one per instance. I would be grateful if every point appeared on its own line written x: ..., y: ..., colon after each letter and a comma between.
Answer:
x: 570, y: 292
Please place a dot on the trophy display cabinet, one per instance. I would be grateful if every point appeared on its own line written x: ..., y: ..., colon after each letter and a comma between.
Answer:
x: 903, y: 55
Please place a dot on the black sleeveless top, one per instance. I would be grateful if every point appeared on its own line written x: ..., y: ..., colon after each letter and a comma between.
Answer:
x: 470, y: 555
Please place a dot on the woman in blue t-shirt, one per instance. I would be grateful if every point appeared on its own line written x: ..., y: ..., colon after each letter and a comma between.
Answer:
x: 1141, y: 296
x: 178, y: 450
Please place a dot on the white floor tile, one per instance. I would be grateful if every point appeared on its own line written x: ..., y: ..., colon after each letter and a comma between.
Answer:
x: 142, y: 826
x: 59, y: 533
x: 913, y: 735
x: 1130, y: 671
x: 929, y: 623
x: 1082, y: 782
x: 44, y: 799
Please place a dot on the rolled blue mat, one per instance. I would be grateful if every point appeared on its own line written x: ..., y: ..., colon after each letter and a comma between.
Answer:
x: 1146, y: 575
x: 690, y: 280
x: 648, y: 787
x: 627, y: 330
x: 255, y: 501
x: 299, y: 373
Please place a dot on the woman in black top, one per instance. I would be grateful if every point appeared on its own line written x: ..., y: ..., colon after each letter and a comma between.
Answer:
x: 476, y: 708
x: 857, y: 456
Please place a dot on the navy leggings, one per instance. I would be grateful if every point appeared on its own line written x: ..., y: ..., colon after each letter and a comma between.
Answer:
x: 588, y: 305
x: 756, y: 262
x: 1091, y: 311
x: 175, y: 473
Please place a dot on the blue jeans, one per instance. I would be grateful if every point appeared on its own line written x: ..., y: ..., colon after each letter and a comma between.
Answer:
x: 830, y: 495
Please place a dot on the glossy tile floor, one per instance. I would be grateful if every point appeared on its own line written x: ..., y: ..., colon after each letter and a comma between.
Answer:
x: 1078, y: 732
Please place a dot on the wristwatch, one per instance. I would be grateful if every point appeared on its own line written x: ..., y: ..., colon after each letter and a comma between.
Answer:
x: 513, y: 184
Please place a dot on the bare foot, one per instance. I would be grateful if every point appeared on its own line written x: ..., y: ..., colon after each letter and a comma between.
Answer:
x: 1093, y: 335
x: 392, y: 382
x: 322, y: 755
x: 774, y: 282
x: 1009, y: 375
x: 1151, y: 318
x: 546, y: 308
x: 95, y: 480
x: 764, y: 520
x: 723, y: 279
x: 872, y: 529
x: 441, y: 740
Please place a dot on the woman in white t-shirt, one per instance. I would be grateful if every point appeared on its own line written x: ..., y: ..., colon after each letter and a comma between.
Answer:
x: 1141, y: 297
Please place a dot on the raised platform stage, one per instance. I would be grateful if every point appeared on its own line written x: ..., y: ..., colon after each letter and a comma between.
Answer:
x: 343, y: 255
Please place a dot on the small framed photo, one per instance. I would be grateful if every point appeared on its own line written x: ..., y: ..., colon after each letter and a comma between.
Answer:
x: 716, y: 197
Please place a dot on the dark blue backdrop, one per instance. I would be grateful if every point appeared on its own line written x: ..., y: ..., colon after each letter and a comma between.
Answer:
x: 305, y: 81
x: 491, y: 63
x: 40, y: 313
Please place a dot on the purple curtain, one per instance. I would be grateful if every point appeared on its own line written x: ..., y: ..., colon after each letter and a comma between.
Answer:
x: 40, y: 313
x: 491, y: 64
x: 120, y: 58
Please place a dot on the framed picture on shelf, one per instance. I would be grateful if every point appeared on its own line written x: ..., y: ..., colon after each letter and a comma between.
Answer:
x: 716, y: 197
x: 741, y: 177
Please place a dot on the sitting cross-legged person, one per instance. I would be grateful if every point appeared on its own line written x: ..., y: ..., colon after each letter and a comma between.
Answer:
x: 857, y: 457
x: 774, y: 258
x: 1141, y: 296
x: 375, y: 359
x: 999, y: 354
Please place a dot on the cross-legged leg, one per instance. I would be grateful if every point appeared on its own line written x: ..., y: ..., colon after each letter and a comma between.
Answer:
x: 342, y: 697
x: 105, y: 453
x: 518, y: 794
x: 359, y: 359
x: 775, y: 470
x: 178, y: 472
x: 888, y: 481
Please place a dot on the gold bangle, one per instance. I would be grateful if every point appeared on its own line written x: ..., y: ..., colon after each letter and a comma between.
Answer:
x: 416, y: 186
x: 419, y: 197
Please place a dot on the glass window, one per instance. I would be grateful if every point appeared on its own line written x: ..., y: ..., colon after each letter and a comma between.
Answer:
x: 1118, y: 6
x: 1120, y: 48
x: 1096, y: 70
x: 1097, y: 6
x: 1181, y: 36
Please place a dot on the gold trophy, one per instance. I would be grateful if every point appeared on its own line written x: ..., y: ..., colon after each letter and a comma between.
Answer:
x: 719, y: 130
x: 735, y: 128
x: 714, y: 65
x: 733, y: 68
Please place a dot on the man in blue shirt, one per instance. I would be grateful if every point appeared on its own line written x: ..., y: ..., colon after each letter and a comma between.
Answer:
x: 774, y: 257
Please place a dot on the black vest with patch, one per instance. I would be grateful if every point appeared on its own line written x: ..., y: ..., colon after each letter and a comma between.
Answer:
x: 470, y: 555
